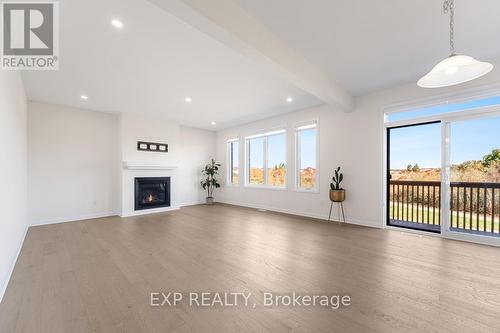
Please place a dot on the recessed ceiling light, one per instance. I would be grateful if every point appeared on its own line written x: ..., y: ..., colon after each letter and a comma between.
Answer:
x: 188, y: 100
x: 213, y: 123
x: 117, y: 23
x: 289, y: 100
x: 84, y: 97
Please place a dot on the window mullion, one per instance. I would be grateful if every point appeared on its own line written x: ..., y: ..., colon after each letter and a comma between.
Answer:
x: 232, y: 163
x: 248, y: 162
x: 265, y: 159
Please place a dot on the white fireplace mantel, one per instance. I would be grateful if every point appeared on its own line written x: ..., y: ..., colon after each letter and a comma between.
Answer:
x: 143, y: 166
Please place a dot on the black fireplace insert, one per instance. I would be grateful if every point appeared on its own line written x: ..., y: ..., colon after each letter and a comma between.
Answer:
x: 152, y: 192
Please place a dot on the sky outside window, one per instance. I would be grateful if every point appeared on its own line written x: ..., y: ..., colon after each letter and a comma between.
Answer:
x: 470, y: 140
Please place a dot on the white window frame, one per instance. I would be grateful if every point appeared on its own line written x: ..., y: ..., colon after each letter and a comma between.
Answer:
x: 265, y: 136
x: 446, y: 119
x: 229, y: 164
x: 299, y: 127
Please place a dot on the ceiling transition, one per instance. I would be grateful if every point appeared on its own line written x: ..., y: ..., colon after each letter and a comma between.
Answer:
x: 370, y: 45
x: 156, y: 61
x: 152, y: 64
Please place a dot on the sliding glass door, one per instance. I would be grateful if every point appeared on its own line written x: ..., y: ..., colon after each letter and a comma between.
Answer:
x: 474, y: 187
x: 414, y: 176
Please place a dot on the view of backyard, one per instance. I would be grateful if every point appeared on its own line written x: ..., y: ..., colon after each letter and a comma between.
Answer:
x: 415, y: 184
x: 277, y: 176
x: 267, y: 159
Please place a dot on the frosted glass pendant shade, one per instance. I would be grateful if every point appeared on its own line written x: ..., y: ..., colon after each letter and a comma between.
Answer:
x: 454, y: 70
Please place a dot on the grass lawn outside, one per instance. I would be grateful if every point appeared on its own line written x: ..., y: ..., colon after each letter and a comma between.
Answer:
x: 459, y: 220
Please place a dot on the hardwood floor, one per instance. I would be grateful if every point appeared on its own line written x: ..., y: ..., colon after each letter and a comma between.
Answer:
x: 97, y: 276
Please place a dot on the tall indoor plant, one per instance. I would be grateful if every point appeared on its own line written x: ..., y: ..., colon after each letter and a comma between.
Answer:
x: 210, y: 182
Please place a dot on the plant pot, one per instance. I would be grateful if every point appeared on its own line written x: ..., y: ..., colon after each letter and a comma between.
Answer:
x: 210, y: 200
x: 337, y: 195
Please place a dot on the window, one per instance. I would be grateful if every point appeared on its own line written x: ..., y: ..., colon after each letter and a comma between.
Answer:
x: 233, y: 157
x: 276, y: 158
x: 266, y: 159
x: 256, y: 161
x: 307, y: 169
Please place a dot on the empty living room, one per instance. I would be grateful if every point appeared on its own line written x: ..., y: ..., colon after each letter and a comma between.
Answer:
x: 250, y: 166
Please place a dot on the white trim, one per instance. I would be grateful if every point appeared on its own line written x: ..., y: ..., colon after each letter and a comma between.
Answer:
x: 322, y: 217
x: 229, y: 165
x: 266, y: 187
x: 314, y: 190
x: 150, y: 211
x: 477, y: 239
x: 446, y: 119
x: 462, y: 96
x: 265, y: 134
x: 192, y: 203
x: 73, y: 218
x: 451, y: 235
x: 265, y: 160
x: 141, y: 166
x: 445, y: 176
x: 483, y: 111
x: 413, y: 231
x: 383, y: 163
x: 12, y: 265
x: 305, y: 127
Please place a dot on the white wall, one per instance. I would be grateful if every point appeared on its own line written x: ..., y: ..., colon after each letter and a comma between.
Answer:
x: 13, y: 172
x: 133, y: 128
x: 338, y: 139
x: 351, y: 140
x: 72, y: 165
x: 197, y: 147
x: 188, y: 151
x: 77, y: 155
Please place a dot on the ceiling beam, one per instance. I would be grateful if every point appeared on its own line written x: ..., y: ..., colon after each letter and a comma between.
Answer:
x: 228, y: 23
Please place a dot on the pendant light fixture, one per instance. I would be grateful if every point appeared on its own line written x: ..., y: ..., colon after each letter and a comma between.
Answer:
x: 455, y: 69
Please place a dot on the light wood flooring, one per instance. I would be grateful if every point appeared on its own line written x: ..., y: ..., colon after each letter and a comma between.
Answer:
x: 97, y: 275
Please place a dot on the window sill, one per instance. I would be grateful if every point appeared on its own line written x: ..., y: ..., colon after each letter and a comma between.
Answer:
x: 267, y: 187
x: 314, y: 191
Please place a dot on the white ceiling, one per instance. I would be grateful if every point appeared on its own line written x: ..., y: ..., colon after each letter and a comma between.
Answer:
x: 368, y: 45
x: 157, y: 59
x: 152, y: 64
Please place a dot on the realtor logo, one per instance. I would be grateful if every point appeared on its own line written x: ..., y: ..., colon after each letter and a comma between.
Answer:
x: 30, y: 35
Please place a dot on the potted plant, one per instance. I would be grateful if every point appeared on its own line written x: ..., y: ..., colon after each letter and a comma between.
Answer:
x: 337, y: 194
x: 210, y: 182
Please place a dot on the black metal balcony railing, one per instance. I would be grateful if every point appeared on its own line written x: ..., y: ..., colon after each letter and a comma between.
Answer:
x: 474, y: 207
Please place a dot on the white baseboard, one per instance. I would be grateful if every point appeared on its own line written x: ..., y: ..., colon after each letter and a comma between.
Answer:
x: 324, y: 217
x: 193, y: 203
x: 149, y: 211
x: 13, y: 264
x: 107, y: 214
x: 74, y: 218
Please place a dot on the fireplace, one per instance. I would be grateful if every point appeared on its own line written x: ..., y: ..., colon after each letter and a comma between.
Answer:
x: 152, y: 192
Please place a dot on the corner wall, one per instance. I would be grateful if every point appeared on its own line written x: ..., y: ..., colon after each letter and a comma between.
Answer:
x: 13, y: 172
x: 72, y: 173
x: 75, y: 157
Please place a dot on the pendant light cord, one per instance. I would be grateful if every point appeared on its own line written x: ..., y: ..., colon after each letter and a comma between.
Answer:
x: 449, y: 7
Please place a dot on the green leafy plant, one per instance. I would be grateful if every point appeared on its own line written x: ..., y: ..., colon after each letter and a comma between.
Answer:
x: 491, y: 158
x: 337, y: 179
x: 210, y: 182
